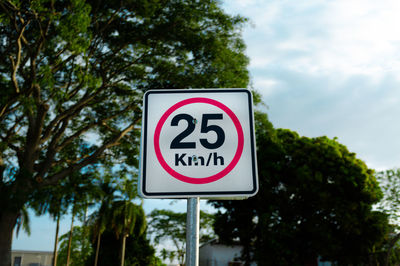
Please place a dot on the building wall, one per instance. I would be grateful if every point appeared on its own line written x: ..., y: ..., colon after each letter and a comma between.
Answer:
x: 31, y: 258
x: 218, y: 255
x: 211, y: 254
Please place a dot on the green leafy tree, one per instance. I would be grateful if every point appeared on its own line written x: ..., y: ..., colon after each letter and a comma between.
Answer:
x: 138, y: 251
x: 72, y: 194
x: 100, y: 217
x: 54, y: 202
x: 390, y: 204
x: 167, y: 225
x: 75, y: 70
x: 80, y: 196
x: 79, y: 248
x: 315, y: 199
x: 126, y: 219
x: 23, y: 222
x: 118, y: 213
x: 120, y: 220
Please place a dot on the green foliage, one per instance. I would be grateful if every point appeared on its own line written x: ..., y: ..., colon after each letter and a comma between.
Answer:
x: 78, y: 189
x: 167, y: 225
x: 116, y: 219
x: 127, y: 218
x: 72, y: 76
x: 99, y: 218
x: 390, y: 204
x: 138, y: 251
x: 117, y: 213
x: 23, y: 221
x: 315, y: 199
x: 80, y: 247
x: 389, y: 181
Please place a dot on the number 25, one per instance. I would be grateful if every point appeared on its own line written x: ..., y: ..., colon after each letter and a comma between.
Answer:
x: 177, y: 142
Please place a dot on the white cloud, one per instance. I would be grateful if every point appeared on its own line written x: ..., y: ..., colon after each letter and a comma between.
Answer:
x: 330, y: 68
x: 344, y: 36
x: 269, y: 86
x: 363, y: 35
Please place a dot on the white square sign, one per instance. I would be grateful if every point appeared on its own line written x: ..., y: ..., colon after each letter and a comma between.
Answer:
x: 198, y: 143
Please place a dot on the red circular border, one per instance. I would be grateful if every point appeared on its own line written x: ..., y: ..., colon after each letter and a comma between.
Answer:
x: 204, y: 180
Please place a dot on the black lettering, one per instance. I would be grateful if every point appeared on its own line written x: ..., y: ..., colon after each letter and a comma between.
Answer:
x: 216, y: 158
x: 201, y: 159
x: 177, y: 141
x: 205, y: 128
x: 179, y: 159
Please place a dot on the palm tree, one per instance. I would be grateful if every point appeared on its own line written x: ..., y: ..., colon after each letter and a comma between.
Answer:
x: 117, y: 212
x: 100, y: 217
x: 83, y: 192
x: 23, y: 222
x: 80, y: 247
x: 73, y: 213
x: 127, y: 218
x: 54, y: 201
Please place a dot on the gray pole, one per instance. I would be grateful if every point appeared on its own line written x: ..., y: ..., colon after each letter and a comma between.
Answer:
x: 192, y: 231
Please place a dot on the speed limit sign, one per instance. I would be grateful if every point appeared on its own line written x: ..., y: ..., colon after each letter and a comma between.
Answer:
x: 198, y: 143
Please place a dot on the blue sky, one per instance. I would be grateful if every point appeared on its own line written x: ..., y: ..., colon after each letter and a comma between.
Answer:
x: 329, y: 68
x: 324, y: 68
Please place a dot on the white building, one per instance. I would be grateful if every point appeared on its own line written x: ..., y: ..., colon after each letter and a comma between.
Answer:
x: 31, y: 258
x: 214, y: 254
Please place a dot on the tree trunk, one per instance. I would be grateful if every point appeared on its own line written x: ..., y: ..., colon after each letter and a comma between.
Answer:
x: 70, y: 239
x: 56, y: 241
x: 7, y: 224
x: 97, y: 249
x: 123, y: 249
x: 391, y: 245
x: 84, y: 228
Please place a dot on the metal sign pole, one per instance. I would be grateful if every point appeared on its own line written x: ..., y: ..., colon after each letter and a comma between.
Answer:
x: 192, y: 231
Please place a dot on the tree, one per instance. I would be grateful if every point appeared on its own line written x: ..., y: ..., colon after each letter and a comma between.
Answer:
x: 118, y: 213
x: 315, y: 199
x: 100, y: 217
x: 77, y: 190
x: 390, y: 204
x: 126, y: 219
x: 80, y: 248
x: 80, y: 197
x: 169, y: 225
x: 120, y: 219
x: 72, y: 72
x: 138, y: 251
x: 54, y: 202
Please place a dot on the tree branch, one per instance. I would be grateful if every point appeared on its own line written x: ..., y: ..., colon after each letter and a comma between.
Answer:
x: 69, y: 113
x: 11, y: 132
x: 92, y: 125
x: 15, y: 64
x: 392, y: 242
x: 2, y: 168
x: 89, y: 160
x: 4, y: 110
x: 33, y: 136
x: 52, y: 150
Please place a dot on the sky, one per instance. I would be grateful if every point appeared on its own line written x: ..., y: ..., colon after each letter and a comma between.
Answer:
x: 329, y: 68
x: 323, y: 68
